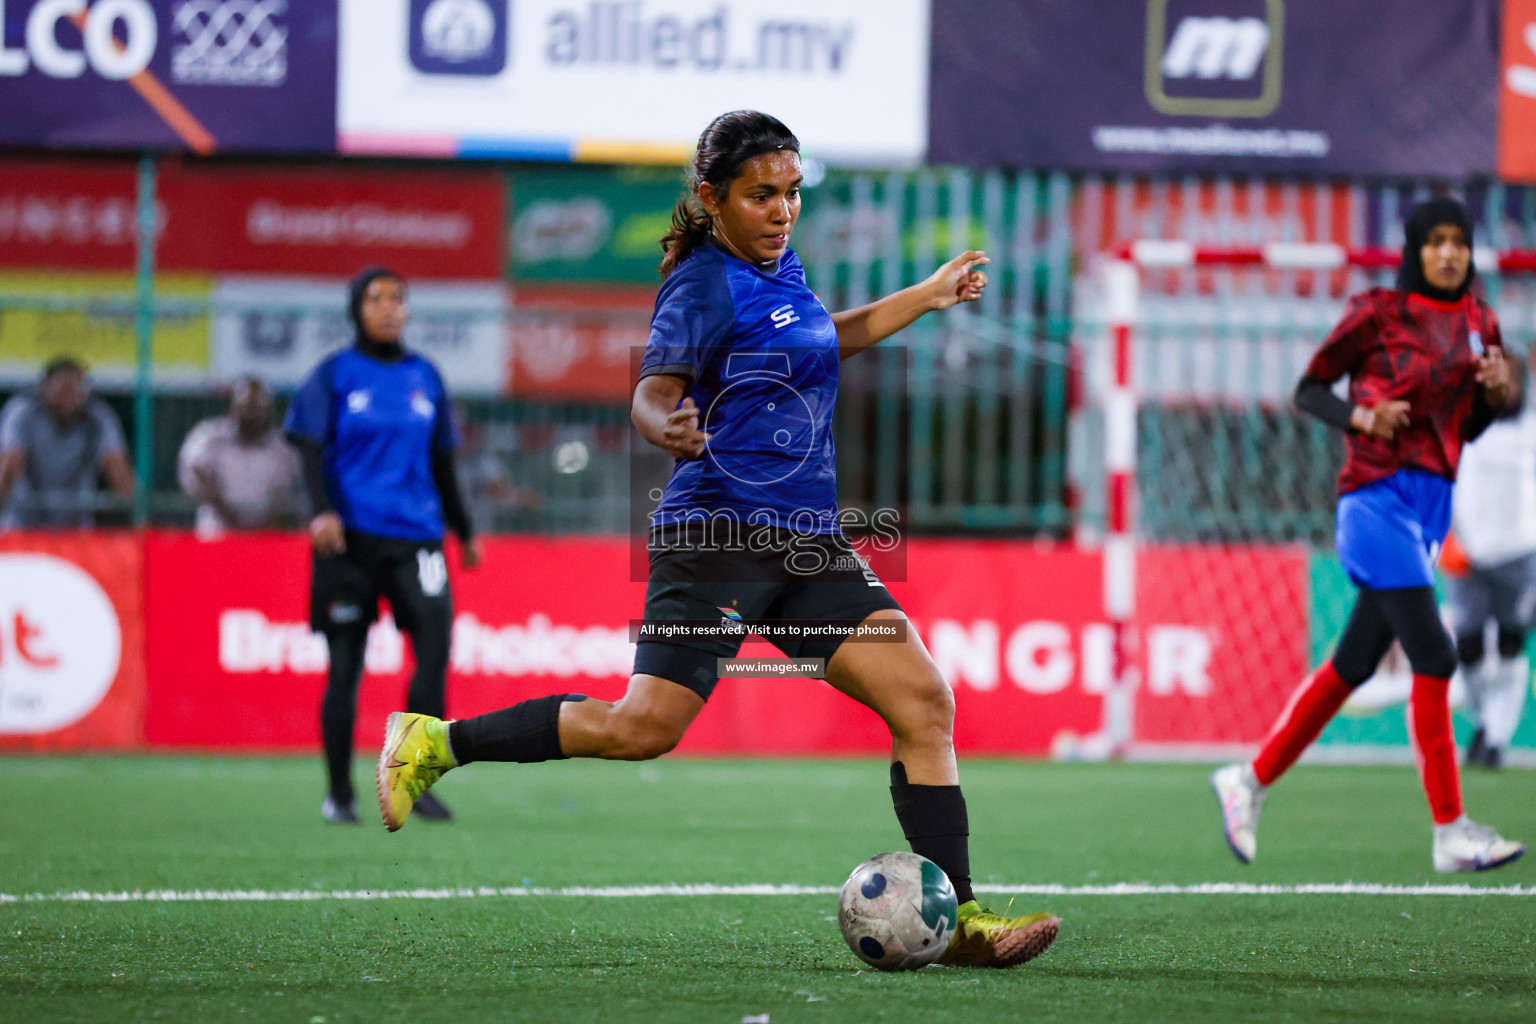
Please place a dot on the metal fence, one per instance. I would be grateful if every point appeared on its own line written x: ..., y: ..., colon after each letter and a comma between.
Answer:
x: 966, y: 421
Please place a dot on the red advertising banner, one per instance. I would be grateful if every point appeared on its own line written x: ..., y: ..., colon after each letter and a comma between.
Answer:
x: 67, y: 213
x: 1016, y: 629
x: 71, y: 641
x: 425, y: 224
x: 576, y: 343
x: 235, y: 665
x: 1517, y: 92
x: 443, y: 224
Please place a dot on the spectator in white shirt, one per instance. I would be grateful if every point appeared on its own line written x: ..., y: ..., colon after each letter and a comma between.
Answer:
x: 1491, y: 580
x: 238, y: 467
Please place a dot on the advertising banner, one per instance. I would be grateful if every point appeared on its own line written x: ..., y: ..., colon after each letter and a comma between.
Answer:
x: 67, y: 213
x: 1016, y: 629
x: 277, y: 328
x: 631, y: 81
x: 71, y: 642
x: 235, y: 665
x: 445, y: 224
x: 90, y: 316
x: 1517, y: 92
x: 203, y: 76
x: 1250, y: 86
x: 591, y: 225
x: 577, y: 343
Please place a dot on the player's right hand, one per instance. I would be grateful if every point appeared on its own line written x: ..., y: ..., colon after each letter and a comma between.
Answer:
x: 1381, y: 420
x: 681, y: 437
x: 327, y: 535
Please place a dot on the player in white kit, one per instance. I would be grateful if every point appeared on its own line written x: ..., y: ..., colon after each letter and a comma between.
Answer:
x: 1494, y: 520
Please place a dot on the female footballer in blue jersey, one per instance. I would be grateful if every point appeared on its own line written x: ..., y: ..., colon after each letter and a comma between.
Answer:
x: 1427, y: 374
x: 374, y: 427
x: 738, y: 383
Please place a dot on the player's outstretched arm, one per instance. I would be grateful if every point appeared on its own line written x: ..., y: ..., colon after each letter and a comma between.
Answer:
x: 661, y: 420
x: 959, y: 280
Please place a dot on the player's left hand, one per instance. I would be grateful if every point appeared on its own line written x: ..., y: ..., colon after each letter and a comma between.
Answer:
x: 470, y: 554
x: 959, y: 280
x: 1495, y: 375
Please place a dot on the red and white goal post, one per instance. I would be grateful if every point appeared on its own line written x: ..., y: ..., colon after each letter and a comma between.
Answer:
x: 1252, y: 600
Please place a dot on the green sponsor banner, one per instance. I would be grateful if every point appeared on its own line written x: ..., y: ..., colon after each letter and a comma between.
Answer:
x: 581, y: 225
x: 590, y: 225
x: 1385, y: 722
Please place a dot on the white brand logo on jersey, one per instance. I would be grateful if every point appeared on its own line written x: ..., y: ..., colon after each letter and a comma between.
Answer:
x: 432, y: 571
x: 784, y: 316
x: 357, y: 401
x: 422, y: 406
x: 1475, y: 343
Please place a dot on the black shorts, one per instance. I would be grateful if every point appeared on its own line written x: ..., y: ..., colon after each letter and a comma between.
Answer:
x: 411, y: 575
x: 687, y: 584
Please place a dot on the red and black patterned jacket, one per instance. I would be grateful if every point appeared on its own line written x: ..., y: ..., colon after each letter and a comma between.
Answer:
x: 1401, y: 345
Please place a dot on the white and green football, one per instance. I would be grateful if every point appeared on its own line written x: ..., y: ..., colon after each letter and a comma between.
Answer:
x: 897, y: 911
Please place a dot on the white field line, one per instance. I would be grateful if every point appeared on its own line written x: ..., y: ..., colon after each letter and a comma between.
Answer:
x: 486, y: 892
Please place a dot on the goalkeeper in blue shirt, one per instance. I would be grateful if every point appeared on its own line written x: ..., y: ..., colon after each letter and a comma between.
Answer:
x: 738, y: 384
x: 375, y: 432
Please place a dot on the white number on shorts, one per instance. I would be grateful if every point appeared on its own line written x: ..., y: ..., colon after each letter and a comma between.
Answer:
x: 432, y: 571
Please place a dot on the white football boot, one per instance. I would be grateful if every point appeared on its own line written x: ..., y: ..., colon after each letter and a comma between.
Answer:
x: 1241, y: 798
x: 1464, y: 845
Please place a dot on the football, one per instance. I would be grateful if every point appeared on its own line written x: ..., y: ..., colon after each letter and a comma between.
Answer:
x: 897, y: 911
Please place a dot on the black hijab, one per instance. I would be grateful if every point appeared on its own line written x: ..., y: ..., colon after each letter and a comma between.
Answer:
x: 385, y: 350
x: 1423, y: 219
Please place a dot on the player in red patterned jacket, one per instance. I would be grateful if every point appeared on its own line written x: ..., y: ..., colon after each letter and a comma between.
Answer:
x: 1427, y: 373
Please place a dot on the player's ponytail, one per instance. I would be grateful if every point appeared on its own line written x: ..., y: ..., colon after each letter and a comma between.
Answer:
x: 729, y: 141
x: 690, y: 226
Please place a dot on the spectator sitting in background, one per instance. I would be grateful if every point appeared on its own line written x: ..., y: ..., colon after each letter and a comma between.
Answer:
x: 487, y: 482
x: 56, y: 442
x: 238, y: 467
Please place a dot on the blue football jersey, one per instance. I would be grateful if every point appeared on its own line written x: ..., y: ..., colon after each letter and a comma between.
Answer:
x: 760, y: 352
x: 379, y: 423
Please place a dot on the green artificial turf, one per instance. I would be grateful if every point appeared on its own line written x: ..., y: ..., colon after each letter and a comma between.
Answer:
x: 107, y: 825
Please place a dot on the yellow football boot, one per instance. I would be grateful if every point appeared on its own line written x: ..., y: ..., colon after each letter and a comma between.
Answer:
x: 415, y: 755
x: 985, y: 939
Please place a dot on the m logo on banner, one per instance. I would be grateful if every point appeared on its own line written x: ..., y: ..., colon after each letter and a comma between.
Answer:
x: 1215, y: 60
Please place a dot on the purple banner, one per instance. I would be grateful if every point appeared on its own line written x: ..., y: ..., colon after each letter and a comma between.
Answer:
x: 202, y: 76
x: 1266, y: 86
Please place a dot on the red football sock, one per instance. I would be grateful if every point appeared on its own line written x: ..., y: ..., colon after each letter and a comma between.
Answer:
x: 1433, y: 747
x: 1311, y: 707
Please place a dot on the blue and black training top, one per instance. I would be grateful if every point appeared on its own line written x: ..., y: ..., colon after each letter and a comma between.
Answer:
x: 382, y: 424
x: 760, y: 353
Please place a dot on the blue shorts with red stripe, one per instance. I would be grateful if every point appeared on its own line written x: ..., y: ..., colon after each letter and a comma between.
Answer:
x: 1389, y: 532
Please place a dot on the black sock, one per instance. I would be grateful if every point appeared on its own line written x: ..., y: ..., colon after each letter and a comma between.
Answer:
x: 338, y: 709
x: 525, y: 732
x: 934, y: 822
